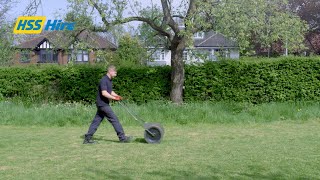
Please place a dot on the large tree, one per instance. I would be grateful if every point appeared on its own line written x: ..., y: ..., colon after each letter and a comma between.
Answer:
x: 193, y: 14
x: 256, y: 24
x: 309, y: 11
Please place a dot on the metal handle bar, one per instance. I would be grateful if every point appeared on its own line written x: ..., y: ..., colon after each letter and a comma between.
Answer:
x: 131, y: 113
x: 135, y: 117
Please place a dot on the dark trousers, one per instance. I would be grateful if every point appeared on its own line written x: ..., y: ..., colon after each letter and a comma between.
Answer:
x: 105, y: 111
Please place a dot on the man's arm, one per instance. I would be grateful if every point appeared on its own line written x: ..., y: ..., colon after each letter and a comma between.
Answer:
x: 108, y: 95
x: 113, y: 93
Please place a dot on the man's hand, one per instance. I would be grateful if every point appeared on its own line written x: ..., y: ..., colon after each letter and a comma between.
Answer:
x: 118, y: 98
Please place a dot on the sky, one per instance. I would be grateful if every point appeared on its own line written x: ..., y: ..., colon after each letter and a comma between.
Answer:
x: 52, y: 9
x: 49, y: 8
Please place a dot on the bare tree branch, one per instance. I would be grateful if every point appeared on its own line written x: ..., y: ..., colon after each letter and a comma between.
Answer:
x: 32, y: 7
x: 167, y: 18
x: 130, y: 19
x: 100, y: 11
x: 5, y: 5
x: 108, y: 24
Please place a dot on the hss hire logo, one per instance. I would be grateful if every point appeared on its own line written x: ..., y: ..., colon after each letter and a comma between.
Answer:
x: 35, y: 24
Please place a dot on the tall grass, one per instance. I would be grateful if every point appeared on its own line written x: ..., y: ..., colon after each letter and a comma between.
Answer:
x: 75, y: 114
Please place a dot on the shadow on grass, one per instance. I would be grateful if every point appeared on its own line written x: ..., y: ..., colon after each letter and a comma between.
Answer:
x: 215, y: 173
x: 181, y: 174
x: 221, y: 174
x: 175, y: 174
x: 108, y: 174
x: 103, y: 138
x: 259, y: 172
x: 111, y: 174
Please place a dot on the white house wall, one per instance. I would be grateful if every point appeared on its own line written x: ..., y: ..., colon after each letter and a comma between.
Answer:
x: 167, y: 57
x: 233, y: 54
x: 166, y: 61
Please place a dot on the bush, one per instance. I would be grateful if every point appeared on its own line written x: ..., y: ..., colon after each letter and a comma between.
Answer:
x: 79, y: 83
x: 143, y: 84
x: 32, y: 83
x: 283, y: 79
x: 1, y: 97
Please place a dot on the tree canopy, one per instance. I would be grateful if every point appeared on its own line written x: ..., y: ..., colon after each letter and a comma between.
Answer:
x: 259, y: 23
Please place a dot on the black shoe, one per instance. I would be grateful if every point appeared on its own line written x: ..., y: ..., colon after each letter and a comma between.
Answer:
x: 127, y: 139
x: 89, y: 141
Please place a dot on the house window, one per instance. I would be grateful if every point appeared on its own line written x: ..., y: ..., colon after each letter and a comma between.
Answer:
x: 48, y: 56
x: 198, y: 35
x: 162, y: 55
x: 82, y: 56
x: 224, y: 53
x: 79, y: 56
x: 158, y: 55
x: 212, y: 56
x: 185, y: 56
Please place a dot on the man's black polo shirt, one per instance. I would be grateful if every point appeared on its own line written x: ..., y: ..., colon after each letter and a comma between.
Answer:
x: 105, y: 84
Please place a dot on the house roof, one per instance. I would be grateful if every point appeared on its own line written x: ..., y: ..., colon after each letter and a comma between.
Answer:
x: 63, y: 40
x: 214, y: 39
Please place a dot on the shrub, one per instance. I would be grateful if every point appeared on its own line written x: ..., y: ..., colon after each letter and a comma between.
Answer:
x: 282, y: 79
x: 79, y: 83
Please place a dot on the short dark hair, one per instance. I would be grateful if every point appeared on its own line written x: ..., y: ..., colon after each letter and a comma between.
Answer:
x: 111, y: 67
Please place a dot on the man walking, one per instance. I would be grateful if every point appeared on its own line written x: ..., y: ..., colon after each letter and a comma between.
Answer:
x: 104, y: 95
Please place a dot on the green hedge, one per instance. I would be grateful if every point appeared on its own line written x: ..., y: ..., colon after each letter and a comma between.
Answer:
x: 79, y: 83
x: 284, y: 79
x: 258, y: 81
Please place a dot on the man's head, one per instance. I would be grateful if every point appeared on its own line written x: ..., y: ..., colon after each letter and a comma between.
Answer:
x: 111, y: 71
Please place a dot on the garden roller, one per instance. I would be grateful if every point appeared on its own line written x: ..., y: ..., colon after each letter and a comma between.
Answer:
x: 153, y: 132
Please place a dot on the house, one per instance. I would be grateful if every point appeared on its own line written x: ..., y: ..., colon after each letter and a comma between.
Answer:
x: 62, y: 47
x: 207, y: 46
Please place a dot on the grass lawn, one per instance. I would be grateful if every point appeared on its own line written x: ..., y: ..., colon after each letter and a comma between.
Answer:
x: 265, y: 150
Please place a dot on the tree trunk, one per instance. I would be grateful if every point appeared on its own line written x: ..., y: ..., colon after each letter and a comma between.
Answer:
x: 177, y: 71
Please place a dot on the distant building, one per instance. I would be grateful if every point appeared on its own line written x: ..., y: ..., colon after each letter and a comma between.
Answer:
x: 207, y: 46
x: 58, y: 47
